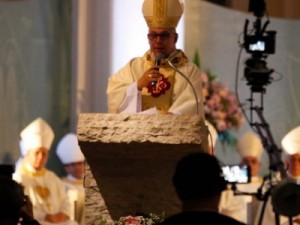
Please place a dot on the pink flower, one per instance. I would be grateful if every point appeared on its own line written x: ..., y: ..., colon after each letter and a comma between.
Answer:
x: 220, y: 104
x: 221, y: 125
x: 133, y: 220
x: 204, y: 78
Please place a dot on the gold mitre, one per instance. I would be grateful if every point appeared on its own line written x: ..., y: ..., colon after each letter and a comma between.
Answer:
x: 162, y: 13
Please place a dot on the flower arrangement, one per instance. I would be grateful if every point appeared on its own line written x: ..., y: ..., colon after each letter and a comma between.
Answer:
x: 221, y: 106
x: 152, y: 219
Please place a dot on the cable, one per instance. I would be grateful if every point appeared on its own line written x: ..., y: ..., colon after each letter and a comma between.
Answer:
x: 189, y: 82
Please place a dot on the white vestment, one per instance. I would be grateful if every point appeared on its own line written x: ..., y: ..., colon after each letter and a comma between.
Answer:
x: 75, y: 191
x: 46, y: 192
x: 240, y: 207
x: 124, y: 97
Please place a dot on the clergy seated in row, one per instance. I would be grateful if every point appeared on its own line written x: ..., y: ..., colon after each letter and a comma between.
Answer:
x: 45, y: 189
x: 72, y: 159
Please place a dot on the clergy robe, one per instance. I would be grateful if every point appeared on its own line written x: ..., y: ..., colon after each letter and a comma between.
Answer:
x: 46, y: 192
x: 75, y: 190
x: 123, y: 95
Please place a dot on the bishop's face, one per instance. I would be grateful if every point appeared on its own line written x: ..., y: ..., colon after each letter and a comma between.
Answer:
x: 293, y: 164
x: 253, y: 163
x: 162, y: 41
x: 75, y: 169
x: 38, y: 158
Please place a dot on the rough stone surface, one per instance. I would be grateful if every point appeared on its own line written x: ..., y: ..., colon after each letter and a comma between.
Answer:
x: 130, y: 160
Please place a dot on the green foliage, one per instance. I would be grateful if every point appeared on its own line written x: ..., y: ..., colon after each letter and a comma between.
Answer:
x: 196, y: 59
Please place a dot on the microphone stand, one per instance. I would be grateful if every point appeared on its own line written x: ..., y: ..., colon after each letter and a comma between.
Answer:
x: 275, y: 160
x: 189, y: 82
x: 269, y: 144
x: 193, y: 88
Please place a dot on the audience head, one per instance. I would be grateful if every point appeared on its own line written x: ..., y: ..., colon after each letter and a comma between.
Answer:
x: 71, y: 156
x: 250, y: 149
x: 291, y: 145
x: 12, y: 201
x: 198, y: 176
x: 7, y: 170
x: 37, y: 139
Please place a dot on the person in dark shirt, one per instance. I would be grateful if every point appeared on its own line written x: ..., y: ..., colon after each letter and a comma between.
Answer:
x: 15, y: 207
x: 198, y: 181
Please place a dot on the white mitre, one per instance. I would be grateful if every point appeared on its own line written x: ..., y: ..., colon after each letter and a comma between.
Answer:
x: 68, y: 149
x: 291, y: 141
x: 212, y: 138
x: 37, y: 134
x: 250, y: 145
x: 162, y: 13
x: 23, y: 150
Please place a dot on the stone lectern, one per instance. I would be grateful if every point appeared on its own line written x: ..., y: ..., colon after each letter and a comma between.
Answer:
x: 130, y: 160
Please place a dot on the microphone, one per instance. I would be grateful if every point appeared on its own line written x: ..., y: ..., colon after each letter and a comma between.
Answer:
x: 158, y: 59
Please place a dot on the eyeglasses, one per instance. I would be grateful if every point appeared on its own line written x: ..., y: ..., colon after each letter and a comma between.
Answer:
x: 163, y: 36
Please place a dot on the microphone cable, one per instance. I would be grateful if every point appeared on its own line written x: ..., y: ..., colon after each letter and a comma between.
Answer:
x: 189, y: 82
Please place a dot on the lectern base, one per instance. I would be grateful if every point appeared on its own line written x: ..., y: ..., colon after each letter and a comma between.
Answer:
x: 130, y: 160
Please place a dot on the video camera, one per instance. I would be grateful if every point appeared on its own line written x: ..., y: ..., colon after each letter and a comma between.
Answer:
x: 237, y: 174
x: 263, y: 43
x: 259, y: 43
x: 284, y: 192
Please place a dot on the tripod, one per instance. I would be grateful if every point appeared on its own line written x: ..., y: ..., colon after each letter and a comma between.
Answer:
x: 276, y: 164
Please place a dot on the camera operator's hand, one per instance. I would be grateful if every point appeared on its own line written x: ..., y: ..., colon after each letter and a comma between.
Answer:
x: 56, y: 218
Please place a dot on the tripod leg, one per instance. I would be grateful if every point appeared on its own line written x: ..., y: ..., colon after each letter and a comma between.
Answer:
x: 277, y: 220
x: 261, y: 216
x: 290, y: 220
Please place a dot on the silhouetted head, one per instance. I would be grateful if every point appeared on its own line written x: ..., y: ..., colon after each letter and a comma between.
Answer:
x: 198, y: 176
x: 12, y: 199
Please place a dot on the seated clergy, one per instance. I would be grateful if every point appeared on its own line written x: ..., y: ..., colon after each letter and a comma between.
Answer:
x: 291, y: 146
x: 240, y: 207
x: 44, y: 188
x: 72, y: 158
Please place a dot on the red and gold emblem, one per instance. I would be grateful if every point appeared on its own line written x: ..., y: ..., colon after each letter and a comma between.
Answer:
x: 160, y: 87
